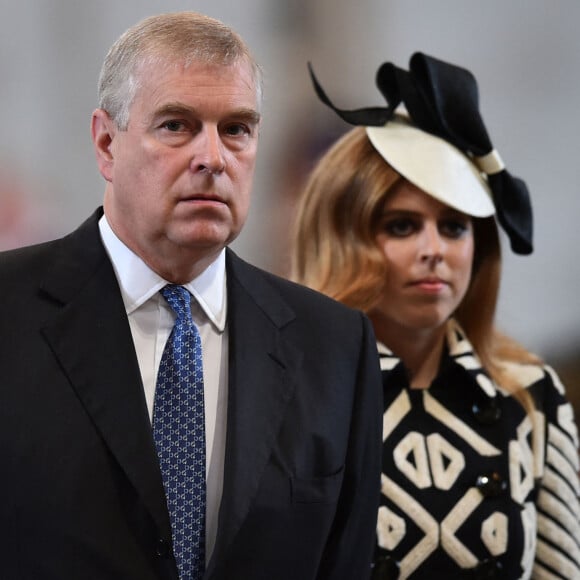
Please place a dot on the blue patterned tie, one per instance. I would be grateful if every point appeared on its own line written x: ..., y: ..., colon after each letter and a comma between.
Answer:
x: 179, y: 434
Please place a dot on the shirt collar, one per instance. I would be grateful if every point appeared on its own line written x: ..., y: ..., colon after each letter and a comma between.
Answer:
x: 139, y: 283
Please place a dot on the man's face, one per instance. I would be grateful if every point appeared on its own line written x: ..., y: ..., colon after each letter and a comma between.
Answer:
x: 180, y: 175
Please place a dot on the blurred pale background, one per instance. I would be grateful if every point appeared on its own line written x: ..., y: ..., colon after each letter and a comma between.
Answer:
x: 524, y: 53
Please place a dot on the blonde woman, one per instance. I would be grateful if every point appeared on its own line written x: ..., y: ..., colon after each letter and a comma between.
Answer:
x: 400, y: 219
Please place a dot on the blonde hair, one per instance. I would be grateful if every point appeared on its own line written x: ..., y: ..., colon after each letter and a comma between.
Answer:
x: 335, y: 252
x: 178, y: 37
x: 334, y: 247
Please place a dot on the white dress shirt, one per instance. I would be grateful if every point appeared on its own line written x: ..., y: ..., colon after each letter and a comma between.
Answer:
x: 151, y: 320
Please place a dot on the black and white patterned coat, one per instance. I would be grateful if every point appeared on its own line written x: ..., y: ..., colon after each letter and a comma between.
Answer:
x: 473, y: 486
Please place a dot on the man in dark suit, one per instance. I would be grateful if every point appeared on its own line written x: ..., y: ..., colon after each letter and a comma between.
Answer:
x: 291, y: 383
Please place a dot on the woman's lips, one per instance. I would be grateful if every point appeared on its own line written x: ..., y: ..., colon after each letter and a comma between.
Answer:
x: 432, y: 285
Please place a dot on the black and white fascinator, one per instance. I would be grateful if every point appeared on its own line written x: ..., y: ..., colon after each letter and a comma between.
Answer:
x: 432, y: 133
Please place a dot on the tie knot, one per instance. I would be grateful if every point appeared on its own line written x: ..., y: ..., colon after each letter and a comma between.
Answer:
x: 179, y: 298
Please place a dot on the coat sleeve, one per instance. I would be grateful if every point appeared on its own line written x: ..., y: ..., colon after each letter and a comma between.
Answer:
x: 348, y: 552
x: 558, y: 507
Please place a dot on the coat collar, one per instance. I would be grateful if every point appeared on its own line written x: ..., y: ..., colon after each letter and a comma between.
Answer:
x: 459, y: 350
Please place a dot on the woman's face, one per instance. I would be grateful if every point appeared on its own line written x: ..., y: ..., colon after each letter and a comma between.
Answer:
x: 428, y: 249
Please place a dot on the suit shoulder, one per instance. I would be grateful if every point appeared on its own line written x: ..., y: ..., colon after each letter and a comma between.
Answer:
x: 28, y: 258
x: 297, y: 295
x: 285, y: 301
x: 303, y: 293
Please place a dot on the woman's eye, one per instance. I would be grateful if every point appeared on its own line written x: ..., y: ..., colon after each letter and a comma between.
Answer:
x: 400, y: 227
x: 454, y: 228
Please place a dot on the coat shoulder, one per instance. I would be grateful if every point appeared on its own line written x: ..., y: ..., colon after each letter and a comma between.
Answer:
x: 268, y: 287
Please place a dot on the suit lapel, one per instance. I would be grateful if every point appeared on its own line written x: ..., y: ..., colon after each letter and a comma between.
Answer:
x: 261, y: 372
x: 91, y: 338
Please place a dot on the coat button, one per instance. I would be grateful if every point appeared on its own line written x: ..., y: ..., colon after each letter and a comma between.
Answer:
x: 385, y: 568
x: 491, y: 485
x: 487, y: 569
x: 487, y: 412
x: 162, y: 550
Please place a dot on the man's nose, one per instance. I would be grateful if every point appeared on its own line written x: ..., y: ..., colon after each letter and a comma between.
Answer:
x: 208, y: 153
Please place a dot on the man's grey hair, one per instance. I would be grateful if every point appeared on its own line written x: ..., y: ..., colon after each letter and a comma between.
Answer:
x: 165, y: 39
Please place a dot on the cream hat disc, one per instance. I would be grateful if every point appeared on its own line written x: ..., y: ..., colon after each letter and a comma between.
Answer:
x: 433, y: 165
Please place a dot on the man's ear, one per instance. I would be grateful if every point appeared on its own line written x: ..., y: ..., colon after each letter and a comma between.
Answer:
x: 103, y: 131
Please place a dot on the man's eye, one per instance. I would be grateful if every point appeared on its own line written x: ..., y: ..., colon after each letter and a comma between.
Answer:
x: 400, y: 227
x: 174, y: 126
x: 237, y: 129
x: 453, y: 228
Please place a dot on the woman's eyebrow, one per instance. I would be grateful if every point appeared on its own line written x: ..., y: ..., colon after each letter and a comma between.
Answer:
x: 401, y: 211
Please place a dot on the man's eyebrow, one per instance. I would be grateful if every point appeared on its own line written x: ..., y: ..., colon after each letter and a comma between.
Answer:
x: 177, y: 108
x: 173, y: 109
x: 249, y: 115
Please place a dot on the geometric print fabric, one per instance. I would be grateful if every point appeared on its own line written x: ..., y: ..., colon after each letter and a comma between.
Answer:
x: 179, y: 435
x: 473, y: 485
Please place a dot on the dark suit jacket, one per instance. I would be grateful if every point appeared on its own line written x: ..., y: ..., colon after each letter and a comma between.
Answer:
x: 81, y: 495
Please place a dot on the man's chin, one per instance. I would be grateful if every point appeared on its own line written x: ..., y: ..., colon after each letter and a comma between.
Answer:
x: 211, y: 239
